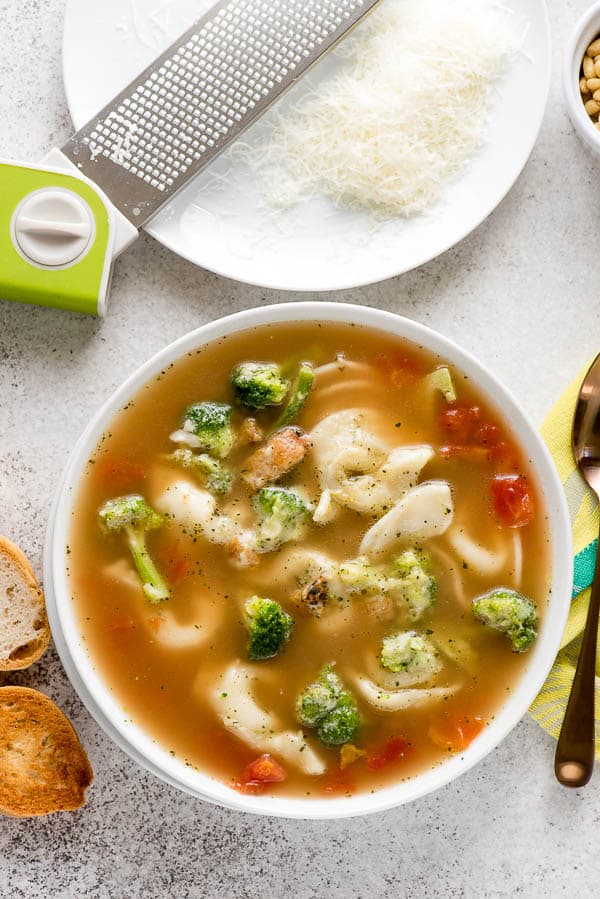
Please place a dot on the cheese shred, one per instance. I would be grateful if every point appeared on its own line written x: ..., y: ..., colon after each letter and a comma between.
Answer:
x: 404, y: 114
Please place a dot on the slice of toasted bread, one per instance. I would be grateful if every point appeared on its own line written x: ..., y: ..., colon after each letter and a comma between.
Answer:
x: 24, y: 630
x: 43, y: 766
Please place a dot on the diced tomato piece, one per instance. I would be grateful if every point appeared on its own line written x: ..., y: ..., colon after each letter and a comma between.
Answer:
x: 455, y: 734
x: 475, y: 439
x: 263, y: 770
x: 393, y: 751
x: 339, y: 782
x: 504, y: 456
x: 399, y: 369
x: 488, y: 434
x: 512, y: 500
x: 258, y: 774
x: 460, y: 421
x: 121, y: 473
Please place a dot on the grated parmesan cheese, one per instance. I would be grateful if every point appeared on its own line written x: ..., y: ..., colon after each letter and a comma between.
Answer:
x: 402, y: 118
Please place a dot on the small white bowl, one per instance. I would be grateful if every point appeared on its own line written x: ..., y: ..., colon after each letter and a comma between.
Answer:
x: 585, y: 31
x: 102, y: 702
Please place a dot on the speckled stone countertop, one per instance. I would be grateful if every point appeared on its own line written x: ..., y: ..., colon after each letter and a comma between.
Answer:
x: 522, y: 293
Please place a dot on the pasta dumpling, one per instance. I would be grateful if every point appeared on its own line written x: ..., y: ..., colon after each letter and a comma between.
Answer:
x: 240, y: 713
x: 357, y: 470
x: 195, y: 511
x: 397, y: 700
x: 425, y: 511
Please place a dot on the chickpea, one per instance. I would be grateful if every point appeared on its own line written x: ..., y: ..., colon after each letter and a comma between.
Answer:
x: 594, y: 48
x: 589, y: 82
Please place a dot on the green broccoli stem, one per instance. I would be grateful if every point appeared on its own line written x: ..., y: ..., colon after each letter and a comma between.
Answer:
x: 153, y: 585
x: 300, y: 391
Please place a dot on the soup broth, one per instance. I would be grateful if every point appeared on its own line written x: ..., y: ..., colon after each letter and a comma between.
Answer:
x: 414, y: 674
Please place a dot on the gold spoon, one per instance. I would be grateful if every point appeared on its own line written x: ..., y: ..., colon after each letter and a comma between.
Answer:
x: 574, y: 759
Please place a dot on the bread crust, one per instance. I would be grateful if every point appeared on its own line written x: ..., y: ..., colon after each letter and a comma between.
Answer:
x: 36, y: 648
x: 43, y: 766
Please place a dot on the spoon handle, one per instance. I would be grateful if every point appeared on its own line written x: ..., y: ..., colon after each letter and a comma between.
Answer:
x: 574, y: 759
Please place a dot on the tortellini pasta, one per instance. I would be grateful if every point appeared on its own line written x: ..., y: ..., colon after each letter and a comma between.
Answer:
x: 231, y: 696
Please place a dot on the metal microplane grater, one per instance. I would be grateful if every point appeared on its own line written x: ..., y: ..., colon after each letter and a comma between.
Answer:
x: 61, y: 225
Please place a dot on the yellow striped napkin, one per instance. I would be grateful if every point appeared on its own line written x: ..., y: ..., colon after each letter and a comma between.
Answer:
x: 549, y: 707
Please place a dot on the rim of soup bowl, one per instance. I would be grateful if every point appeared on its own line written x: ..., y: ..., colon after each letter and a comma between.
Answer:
x: 95, y: 692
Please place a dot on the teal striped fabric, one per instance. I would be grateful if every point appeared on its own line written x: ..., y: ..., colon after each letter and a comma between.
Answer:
x: 585, y: 563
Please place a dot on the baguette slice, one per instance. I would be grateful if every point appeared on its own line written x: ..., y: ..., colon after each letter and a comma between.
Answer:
x: 24, y: 630
x: 43, y: 766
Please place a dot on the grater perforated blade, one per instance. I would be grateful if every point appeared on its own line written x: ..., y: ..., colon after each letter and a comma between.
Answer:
x: 202, y: 93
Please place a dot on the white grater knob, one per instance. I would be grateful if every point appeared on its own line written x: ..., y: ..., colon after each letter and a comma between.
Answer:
x: 53, y: 227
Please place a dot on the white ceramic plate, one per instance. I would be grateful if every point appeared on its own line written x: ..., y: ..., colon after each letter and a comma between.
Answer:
x: 220, y: 221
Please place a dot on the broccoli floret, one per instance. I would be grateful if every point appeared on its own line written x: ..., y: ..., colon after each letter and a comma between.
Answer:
x: 418, y: 585
x: 259, y: 384
x: 509, y: 612
x: 210, y: 471
x: 207, y: 426
x: 327, y: 706
x: 268, y: 626
x: 300, y: 391
x: 360, y: 576
x: 319, y: 698
x: 408, y: 560
x: 409, y: 581
x: 341, y: 724
x: 283, y: 516
x: 409, y: 652
x: 132, y: 516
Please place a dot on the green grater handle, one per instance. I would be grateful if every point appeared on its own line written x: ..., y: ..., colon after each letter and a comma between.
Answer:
x: 58, y: 237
